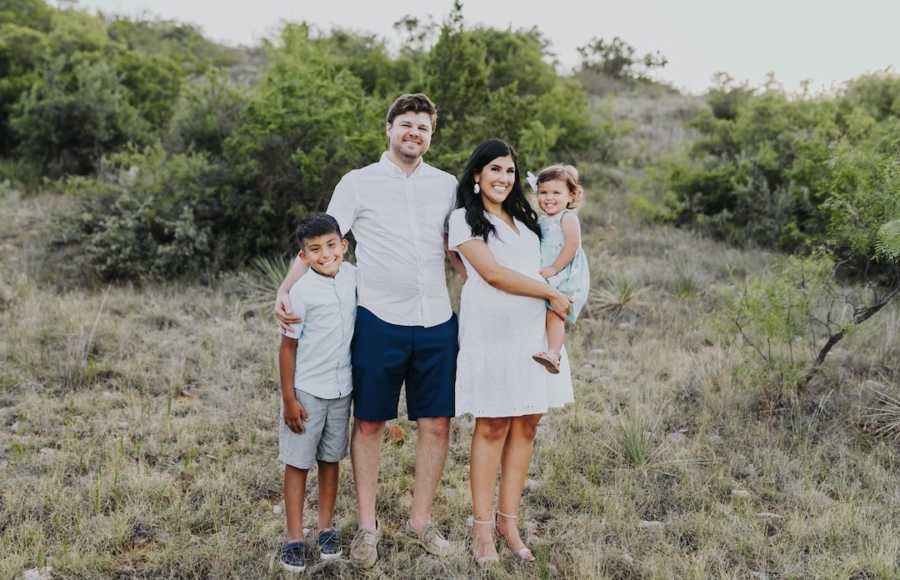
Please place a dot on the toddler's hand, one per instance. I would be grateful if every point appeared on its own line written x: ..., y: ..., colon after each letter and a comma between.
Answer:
x: 294, y: 415
x: 547, y: 272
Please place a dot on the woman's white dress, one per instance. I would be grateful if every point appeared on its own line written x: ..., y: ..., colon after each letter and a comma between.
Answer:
x: 499, y: 332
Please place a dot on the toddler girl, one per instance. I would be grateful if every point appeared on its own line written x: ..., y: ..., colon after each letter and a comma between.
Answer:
x: 563, y: 262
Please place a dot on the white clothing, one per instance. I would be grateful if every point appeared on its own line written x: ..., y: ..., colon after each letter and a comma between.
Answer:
x: 499, y: 332
x: 398, y: 222
x: 327, y: 308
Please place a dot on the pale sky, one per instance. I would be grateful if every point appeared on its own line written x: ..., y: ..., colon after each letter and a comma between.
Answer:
x: 823, y: 41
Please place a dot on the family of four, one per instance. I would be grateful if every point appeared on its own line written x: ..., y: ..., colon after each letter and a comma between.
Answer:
x: 362, y: 332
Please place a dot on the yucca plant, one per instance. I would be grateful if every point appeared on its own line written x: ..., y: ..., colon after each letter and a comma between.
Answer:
x: 883, y: 417
x: 617, y: 295
x: 261, y: 281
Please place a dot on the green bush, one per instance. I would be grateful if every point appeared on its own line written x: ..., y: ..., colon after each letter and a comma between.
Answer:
x: 307, y: 123
x: 206, y: 114
x: 67, y: 121
x: 147, y: 215
x: 153, y: 84
x: 23, y: 51
x: 793, y: 173
x: 237, y: 167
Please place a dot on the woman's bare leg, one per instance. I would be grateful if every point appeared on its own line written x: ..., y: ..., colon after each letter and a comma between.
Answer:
x: 516, y: 458
x: 484, y: 461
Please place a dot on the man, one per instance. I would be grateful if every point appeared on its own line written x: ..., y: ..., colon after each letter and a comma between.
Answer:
x: 406, y: 332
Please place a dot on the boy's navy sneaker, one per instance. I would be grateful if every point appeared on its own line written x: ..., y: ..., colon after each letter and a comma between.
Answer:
x: 329, y: 544
x: 293, y: 556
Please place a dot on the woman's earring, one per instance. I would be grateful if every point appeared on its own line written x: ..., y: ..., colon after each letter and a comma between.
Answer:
x: 477, y: 188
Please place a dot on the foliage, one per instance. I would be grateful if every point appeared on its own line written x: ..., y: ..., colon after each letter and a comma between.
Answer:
x: 23, y: 51
x: 793, y: 316
x: 307, y: 124
x: 778, y: 315
x: 793, y: 173
x: 152, y: 216
x: 618, y: 59
x: 69, y: 119
x: 260, y: 282
x: 153, y: 83
x: 91, y: 87
x: 491, y: 83
x: 206, y: 114
x: 179, y: 42
x: 34, y: 14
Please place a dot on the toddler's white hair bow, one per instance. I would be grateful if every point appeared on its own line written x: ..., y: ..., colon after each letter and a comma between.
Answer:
x: 531, y: 178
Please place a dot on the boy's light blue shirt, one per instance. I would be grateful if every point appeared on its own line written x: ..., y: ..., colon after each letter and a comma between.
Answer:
x: 327, y: 307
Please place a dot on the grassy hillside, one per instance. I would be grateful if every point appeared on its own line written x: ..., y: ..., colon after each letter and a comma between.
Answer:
x: 138, y: 425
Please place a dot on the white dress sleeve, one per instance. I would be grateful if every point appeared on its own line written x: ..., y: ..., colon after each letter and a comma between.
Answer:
x: 459, y: 231
x: 343, y: 204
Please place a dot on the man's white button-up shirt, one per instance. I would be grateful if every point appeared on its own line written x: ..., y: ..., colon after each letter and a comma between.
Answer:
x: 327, y: 307
x: 398, y: 222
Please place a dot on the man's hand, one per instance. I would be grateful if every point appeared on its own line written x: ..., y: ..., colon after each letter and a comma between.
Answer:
x: 559, y: 304
x: 294, y: 415
x: 548, y: 272
x: 283, y: 313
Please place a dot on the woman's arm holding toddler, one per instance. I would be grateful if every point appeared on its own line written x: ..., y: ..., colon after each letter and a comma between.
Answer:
x: 482, y: 259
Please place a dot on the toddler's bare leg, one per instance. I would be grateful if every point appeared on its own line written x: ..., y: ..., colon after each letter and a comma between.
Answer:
x: 556, y: 332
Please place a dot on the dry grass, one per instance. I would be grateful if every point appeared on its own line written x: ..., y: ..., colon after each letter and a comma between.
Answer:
x: 138, y: 434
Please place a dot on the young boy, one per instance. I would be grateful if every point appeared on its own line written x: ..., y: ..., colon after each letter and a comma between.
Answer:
x: 316, y: 383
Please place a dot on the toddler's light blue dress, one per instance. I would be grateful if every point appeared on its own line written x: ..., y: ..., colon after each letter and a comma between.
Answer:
x: 575, y: 279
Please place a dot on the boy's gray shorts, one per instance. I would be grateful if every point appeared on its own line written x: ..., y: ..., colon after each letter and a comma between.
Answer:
x: 325, y: 435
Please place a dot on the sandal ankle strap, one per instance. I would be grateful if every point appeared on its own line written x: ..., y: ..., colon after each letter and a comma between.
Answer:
x: 507, y: 516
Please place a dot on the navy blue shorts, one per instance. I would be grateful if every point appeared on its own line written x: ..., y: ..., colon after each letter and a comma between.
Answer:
x: 385, y: 356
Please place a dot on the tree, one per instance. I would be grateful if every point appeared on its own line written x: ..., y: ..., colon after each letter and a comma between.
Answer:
x: 618, y: 59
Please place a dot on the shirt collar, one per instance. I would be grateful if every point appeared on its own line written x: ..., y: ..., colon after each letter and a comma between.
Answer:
x: 323, y: 276
x: 394, y: 170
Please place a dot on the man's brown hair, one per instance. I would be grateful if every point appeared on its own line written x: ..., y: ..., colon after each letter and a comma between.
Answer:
x: 412, y: 103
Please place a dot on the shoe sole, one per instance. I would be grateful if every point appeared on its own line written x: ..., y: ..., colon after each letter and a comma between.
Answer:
x: 546, y: 364
x: 294, y: 569
x: 334, y: 556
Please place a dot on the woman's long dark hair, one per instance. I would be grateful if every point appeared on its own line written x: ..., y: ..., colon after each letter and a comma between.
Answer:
x: 515, y: 203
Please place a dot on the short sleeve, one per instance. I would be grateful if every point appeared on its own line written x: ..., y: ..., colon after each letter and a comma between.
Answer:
x: 458, y: 230
x: 343, y: 205
x: 299, y: 308
x: 451, y: 202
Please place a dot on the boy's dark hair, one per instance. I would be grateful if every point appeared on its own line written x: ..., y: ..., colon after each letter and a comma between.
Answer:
x: 412, y: 103
x: 315, y: 225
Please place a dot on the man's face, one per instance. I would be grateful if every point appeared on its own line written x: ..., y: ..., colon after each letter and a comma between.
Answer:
x: 324, y: 254
x: 410, y: 135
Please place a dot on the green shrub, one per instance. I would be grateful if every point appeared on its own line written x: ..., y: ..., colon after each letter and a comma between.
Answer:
x: 147, y: 215
x: 793, y: 173
x: 307, y: 124
x: 206, y: 114
x: 69, y: 120
x: 153, y: 84
x: 779, y: 317
x: 182, y: 43
x: 23, y: 51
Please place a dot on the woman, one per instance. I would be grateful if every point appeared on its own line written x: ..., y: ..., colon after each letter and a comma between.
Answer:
x: 501, y: 325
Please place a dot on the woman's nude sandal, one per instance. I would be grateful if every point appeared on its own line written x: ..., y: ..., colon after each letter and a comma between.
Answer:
x: 485, y: 559
x: 549, y: 360
x: 522, y: 553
